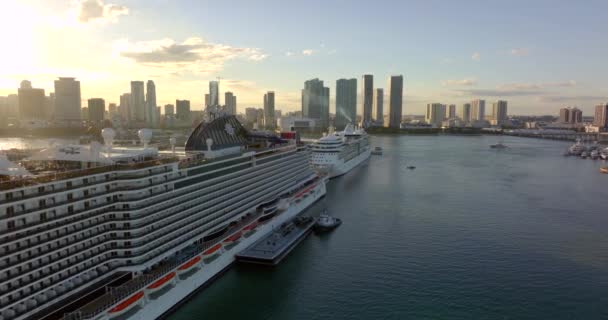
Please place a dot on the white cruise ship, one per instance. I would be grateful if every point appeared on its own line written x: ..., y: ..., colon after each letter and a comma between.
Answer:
x: 338, y: 152
x: 103, y: 232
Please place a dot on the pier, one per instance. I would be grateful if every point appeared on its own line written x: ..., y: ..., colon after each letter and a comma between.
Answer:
x: 565, y: 135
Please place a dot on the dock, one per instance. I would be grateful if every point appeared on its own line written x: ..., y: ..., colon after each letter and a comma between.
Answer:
x: 271, y: 249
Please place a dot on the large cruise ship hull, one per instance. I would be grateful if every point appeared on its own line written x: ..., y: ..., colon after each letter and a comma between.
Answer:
x: 339, y: 169
x: 156, y: 307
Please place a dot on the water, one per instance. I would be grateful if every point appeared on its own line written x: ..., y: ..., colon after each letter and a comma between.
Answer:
x: 471, y: 233
x: 33, y: 143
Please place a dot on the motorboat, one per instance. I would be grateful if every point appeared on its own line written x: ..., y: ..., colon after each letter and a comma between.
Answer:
x: 584, y: 154
x: 498, y: 146
x: 377, y: 151
x: 594, y: 154
x: 411, y: 167
x: 577, y: 149
x: 326, y: 222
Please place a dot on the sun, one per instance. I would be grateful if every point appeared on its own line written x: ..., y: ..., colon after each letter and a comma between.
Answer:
x: 17, y: 31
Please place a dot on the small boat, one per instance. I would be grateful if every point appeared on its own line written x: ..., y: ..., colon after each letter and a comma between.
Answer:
x: 604, y: 170
x: 411, y: 167
x: 584, y: 154
x: 188, y: 266
x: 498, y: 146
x: 126, y: 305
x: 212, y: 251
x: 161, y: 283
x: 233, y: 238
x: 577, y: 149
x: 594, y: 154
x: 326, y: 222
x: 377, y: 151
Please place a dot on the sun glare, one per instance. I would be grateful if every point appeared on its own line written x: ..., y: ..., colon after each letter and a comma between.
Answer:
x: 17, y: 25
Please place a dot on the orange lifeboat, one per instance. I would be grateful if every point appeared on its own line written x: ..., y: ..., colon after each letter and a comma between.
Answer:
x: 193, y: 263
x: 161, y: 283
x: 212, y: 251
x: 126, y: 305
x: 233, y: 238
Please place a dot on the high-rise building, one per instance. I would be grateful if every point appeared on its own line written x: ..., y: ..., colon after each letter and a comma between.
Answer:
x: 251, y: 116
x: 169, y: 110
x: 269, y: 120
x: 125, y: 107
x: 32, y: 102
x: 97, y: 108
x: 214, y: 93
x: 315, y: 102
x: 465, y: 113
x: 150, y: 114
x: 564, y: 115
x: 478, y: 110
x: 260, y: 120
x: 230, y: 103
x: 499, y: 112
x: 379, y: 107
x: 601, y: 116
x: 207, y: 102
x: 138, y: 102
x: 395, y: 101
x: 451, y: 111
x: 576, y: 115
x: 67, y: 101
x: 367, y: 98
x: 182, y: 108
x: 346, y: 103
x: 112, y: 111
x: 435, y: 114
x: 12, y: 105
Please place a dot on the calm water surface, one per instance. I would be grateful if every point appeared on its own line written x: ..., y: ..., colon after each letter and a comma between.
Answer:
x: 471, y: 233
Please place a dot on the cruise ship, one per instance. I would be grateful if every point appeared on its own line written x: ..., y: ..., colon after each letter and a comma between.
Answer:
x: 103, y: 232
x: 338, y: 152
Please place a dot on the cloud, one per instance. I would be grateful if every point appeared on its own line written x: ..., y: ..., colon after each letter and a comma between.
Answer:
x: 571, y: 99
x: 308, y: 52
x: 446, y: 60
x: 461, y: 82
x: 194, y: 54
x: 476, y: 56
x: 537, y: 86
x: 500, y: 92
x: 518, y: 89
x: 289, y: 53
x: 518, y: 52
x: 98, y: 11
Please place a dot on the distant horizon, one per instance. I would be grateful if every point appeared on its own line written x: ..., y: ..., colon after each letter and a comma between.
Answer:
x: 106, y: 44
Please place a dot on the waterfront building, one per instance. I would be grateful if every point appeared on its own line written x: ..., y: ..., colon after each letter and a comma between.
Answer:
x: 367, y: 98
x: 315, y: 102
x: 435, y: 114
x: 96, y: 109
x: 478, y: 110
x: 151, y: 113
x: 214, y: 93
x: 169, y: 110
x: 138, y: 102
x: 499, y: 112
x: 67, y: 102
x: 32, y: 103
x: 230, y: 103
x: 251, y: 116
x: 465, y: 113
x: 269, y: 119
x: 379, y: 107
x: 126, y: 112
x: 601, y: 117
x: 346, y: 103
x: 564, y: 115
x: 451, y: 111
x: 183, y: 111
x: 395, y: 101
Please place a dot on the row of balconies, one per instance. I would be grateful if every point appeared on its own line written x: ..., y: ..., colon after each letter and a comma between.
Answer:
x: 165, y: 231
x: 80, y: 216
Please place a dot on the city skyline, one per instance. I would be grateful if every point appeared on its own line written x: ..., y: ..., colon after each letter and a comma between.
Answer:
x: 120, y: 41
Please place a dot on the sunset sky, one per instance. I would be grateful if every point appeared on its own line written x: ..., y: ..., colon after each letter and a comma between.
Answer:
x: 538, y: 55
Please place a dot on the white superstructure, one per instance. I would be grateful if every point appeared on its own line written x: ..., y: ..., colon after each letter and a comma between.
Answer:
x: 169, y: 222
x: 338, y: 152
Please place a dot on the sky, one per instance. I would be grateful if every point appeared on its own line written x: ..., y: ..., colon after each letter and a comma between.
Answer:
x: 537, y: 55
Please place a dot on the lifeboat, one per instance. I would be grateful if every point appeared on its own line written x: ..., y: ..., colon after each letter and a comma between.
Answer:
x: 161, y: 283
x: 190, y: 265
x: 303, y: 192
x: 233, y: 238
x: 212, y: 251
x: 250, y: 227
x: 126, y: 305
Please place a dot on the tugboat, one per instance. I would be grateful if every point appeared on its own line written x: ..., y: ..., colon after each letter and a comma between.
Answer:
x: 326, y: 222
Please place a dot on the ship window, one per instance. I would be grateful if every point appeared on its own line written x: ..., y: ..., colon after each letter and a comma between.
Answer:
x: 10, y: 224
x: 86, y: 193
x: 9, y: 196
x: 69, y: 184
x: 70, y: 209
x: 40, y: 189
x: 70, y: 197
x: 85, y: 181
x: 10, y: 210
x: 42, y: 203
x: 43, y: 216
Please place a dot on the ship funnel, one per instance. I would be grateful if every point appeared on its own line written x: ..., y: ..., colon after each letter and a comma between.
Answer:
x: 108, y: 135
x: 209, y: 142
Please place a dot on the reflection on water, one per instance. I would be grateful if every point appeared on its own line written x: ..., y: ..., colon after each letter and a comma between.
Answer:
x: 33, y: 143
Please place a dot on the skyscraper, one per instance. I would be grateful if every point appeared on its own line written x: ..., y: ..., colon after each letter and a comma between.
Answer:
x: 346, y: 102
x: 214, y: 94
x: 31, y: 102
x: 97, y: 108
x: 138, y: 102
x: 67, y: 101
x: 435, y: 114
x: 269, y: 120
x: 499, y: 112
x: 396, y: 101
x: 451, y: 111
x: 379, y: 107
x: 478, y: 110
x: 207, y: 102
x: 230, y: 103
x: 112, y: 110
x: 169, y: 110
x: 601, y: 116
x: 367, y: 98
x: 251, y: 116
x: 315, y: 102
x: 125, y: 107
x: 150, y: 113
x: 564, y: 115
x: 465, y: 113
x: 576, y: 115
x: 183, y: 110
